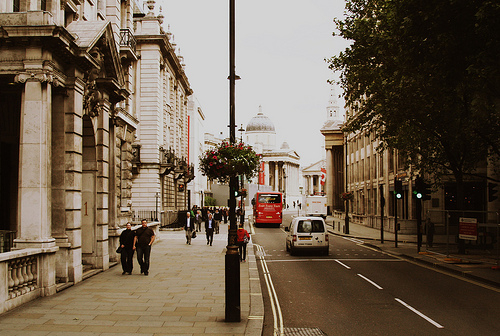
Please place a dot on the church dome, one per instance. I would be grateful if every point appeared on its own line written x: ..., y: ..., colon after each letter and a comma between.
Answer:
x: 260, y: 123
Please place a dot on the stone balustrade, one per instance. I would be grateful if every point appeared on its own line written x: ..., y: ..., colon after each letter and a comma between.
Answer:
x: 22, y: 276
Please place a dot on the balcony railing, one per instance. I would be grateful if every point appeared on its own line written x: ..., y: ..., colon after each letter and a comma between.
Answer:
x: 127, y: 39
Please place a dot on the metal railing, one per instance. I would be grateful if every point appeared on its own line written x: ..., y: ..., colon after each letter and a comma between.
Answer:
x: 471, y: 234
x: 149, y: 215
x: 7, y: 240
x: 127, y: 39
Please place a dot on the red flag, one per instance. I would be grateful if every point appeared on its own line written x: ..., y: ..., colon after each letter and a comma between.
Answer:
x: 323, y: 176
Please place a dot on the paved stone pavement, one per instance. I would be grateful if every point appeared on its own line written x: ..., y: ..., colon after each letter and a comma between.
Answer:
x: 184, y: 294
x: 481, y: 268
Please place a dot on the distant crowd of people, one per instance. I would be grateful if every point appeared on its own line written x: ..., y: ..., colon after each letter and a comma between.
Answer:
x: 142, y: 239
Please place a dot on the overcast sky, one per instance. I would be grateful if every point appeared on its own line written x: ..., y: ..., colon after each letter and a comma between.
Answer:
x: 280, y: 50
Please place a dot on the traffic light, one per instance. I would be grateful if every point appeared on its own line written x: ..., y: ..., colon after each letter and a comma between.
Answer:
x: 180, y: 187
x: 422, y: 189
x: 236, y: 193
x: 492, y: 190
x: 398, y: 189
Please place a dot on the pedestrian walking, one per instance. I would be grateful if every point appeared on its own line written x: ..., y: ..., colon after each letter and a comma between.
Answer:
x: 218, y: 219
x: 209, y: 229
x: 242, y: 240
x: 238, y: 216
x: 127, y: 249
x: 143, y: 240
x: 189, y: 227
x: 198, y: 219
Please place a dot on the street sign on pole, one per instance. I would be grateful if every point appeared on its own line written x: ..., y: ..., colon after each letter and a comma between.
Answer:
x: 467, y: 228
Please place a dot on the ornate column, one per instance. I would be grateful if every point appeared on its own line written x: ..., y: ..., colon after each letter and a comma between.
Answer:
x: 34, y: 207
x: 329, y: 190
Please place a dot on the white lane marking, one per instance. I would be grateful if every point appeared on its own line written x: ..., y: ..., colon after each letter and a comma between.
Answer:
x: 336, y: 260
x: 373, y: 283
x: 437, y: 325
x: 275, y: 305
x: 354, y: 240
x: 341, y: 263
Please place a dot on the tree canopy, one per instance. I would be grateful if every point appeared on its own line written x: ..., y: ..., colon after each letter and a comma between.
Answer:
x: 424, y: 76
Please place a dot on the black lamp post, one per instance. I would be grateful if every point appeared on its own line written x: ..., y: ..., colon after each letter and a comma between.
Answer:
x: 232, y: 260
x: 157, y: 196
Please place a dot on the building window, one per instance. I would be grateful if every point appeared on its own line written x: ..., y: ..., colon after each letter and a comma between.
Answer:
x: 16, y: 6
x: 43, y: 5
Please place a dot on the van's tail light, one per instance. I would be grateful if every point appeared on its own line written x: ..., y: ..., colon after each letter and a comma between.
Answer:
x: 294, y: 238
x: 326, y: 237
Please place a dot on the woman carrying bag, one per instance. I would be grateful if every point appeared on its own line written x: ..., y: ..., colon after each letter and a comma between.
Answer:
x: 243, y: 239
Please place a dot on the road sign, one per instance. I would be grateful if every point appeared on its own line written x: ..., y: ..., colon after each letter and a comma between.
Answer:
x: 467, y: 228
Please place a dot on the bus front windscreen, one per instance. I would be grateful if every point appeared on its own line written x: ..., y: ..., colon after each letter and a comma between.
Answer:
x: 270, y: 198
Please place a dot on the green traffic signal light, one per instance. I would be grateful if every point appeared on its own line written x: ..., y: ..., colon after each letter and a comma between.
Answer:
x: 422, y: 189
x: 398, y: 189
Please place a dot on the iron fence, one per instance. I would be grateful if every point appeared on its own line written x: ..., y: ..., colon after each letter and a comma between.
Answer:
x: 472, y: 235
x: 7, y: 240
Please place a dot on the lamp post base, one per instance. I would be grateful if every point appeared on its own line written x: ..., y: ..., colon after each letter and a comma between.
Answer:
x: 233, y: 306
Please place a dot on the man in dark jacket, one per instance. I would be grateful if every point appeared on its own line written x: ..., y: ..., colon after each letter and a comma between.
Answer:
x: 189, y: 227
x: 209, y: 229
x: 127, y: 245
x: 144, y: 238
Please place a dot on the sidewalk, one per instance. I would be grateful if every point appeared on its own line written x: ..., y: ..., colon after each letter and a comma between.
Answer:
x: 479, y: 268
x: 184, y: 294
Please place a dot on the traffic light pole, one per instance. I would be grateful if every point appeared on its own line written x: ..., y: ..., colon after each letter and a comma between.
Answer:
x: 419, y: 224
x: 395, y: 216
x: 382, y: 206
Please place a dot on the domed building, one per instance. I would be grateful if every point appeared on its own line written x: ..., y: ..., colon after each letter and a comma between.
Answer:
x: 280, y: 166
x: 260, y: 132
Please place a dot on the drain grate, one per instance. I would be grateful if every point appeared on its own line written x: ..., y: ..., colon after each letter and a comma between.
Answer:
x: 304, y: 332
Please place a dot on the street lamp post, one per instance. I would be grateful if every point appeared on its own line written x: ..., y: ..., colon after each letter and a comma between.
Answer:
x: 241, y: 130
x: 157, y: 196
x: 232, y: 264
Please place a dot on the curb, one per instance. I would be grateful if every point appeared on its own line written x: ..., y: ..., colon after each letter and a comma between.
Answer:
x: 255, y: 321
x: 450, y: 270
x: 436, y: 265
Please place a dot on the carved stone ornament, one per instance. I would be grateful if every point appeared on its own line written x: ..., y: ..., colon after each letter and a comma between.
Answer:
x: 93, y: 103
x: 42, y: 77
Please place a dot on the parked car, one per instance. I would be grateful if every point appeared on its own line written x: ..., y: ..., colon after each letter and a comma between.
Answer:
x: 307, y: 234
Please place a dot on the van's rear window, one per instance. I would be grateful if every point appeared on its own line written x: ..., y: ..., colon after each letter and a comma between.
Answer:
x: 310, y: 226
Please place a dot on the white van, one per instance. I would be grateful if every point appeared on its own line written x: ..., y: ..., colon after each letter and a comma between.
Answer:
x: 307, y: 233
x: 316, y: 206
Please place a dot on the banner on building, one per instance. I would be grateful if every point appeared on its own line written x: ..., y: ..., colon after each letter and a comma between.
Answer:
x: 262, y: 174
x: 322, y: 179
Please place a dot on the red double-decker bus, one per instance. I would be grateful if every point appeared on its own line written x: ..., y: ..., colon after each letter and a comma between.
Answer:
x: 268, y: 208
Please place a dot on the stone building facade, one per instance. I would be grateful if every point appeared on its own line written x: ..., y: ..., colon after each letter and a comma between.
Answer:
x: 356, y: 164
x: 163, y: 169
x: 280, y: 166
x: 93, y: 124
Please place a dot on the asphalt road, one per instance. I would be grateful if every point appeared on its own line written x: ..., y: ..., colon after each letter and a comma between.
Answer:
x: 357, y: 290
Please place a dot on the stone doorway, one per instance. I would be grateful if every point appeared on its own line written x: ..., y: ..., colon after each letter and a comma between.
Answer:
x: 89, y: 174
x: 10, y: 110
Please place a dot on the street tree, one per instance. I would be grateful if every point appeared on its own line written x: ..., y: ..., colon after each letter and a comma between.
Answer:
x: 424, y: 77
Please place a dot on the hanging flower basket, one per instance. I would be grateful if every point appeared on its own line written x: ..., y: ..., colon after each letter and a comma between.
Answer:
x: 228, y: 160
x: 347, y: 196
